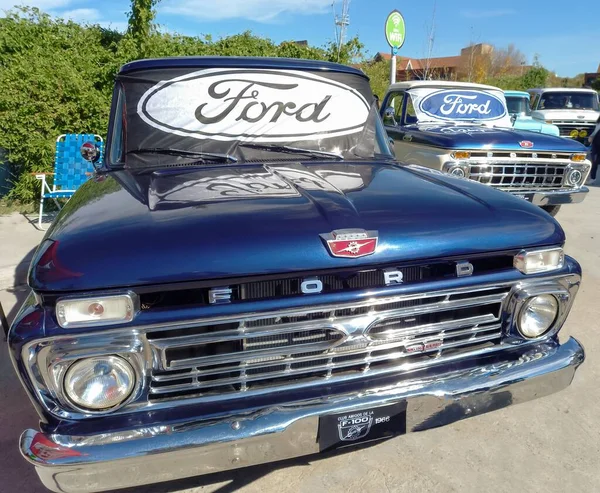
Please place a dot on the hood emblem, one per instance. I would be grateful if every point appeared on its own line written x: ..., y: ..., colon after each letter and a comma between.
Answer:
x: 527, y: 144
x: 351, y: 243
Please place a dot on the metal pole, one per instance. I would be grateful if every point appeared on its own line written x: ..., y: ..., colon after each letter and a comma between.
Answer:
x: 393, y: 70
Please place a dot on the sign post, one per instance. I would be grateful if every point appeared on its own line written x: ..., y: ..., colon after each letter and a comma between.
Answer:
x: 395, y: 34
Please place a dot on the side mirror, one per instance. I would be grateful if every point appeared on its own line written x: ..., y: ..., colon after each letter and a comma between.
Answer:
x: 513, y: 119
x: 90, y: 152
x: 389, y: 116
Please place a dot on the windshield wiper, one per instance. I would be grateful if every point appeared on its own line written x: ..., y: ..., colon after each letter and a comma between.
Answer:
x: 292, y: 150
x: 199, y: 156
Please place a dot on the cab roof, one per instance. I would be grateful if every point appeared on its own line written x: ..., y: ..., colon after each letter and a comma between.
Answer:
x: 411, y: 84
x: 562, y: 89
x: 517, y: 93
x: 238, y: 62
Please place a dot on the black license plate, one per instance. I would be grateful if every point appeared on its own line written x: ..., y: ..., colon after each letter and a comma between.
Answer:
x: 345, y: 429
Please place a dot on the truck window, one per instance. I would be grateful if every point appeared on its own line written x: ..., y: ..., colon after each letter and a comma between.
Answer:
x: 394, y: 101
x: 411, y: 114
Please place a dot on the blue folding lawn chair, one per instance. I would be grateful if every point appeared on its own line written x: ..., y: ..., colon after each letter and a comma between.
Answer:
x: 71, y: 170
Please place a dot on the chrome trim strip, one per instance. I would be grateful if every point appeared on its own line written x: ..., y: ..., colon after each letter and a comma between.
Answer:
x: 136, y: 457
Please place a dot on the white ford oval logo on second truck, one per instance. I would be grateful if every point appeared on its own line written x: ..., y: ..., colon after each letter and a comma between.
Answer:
x: 462, y: 105
x: 258, y: 105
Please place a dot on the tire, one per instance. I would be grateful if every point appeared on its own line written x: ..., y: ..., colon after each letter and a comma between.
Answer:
x: 551, y: 209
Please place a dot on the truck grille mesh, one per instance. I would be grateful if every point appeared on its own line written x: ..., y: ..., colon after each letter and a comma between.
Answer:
x: 316, y: 346
x: 520, y: 176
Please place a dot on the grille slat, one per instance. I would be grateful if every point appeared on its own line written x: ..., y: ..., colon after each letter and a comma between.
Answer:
x: 388, y: 334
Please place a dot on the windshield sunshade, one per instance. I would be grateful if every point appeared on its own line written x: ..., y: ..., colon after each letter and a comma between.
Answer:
x: 459, y: 105
x: 215, y: 110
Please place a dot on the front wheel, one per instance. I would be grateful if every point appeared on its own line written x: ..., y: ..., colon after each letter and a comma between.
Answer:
x: 551, y: 209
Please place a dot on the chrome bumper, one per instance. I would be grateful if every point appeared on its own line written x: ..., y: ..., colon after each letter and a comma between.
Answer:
x: 554, y: 197
x: 148, y: 455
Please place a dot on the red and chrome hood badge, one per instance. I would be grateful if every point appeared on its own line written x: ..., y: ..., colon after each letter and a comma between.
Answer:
x: 351, y: 243
x: 527, y: 144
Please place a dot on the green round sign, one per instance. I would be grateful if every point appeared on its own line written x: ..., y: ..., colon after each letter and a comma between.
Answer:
x: 395, y: 29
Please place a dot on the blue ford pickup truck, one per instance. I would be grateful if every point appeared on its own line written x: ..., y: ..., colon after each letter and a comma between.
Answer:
x: 465, y: 129
x: 250, y: 276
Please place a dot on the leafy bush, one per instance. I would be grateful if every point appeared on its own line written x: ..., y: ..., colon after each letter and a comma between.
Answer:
x: 57, y: 77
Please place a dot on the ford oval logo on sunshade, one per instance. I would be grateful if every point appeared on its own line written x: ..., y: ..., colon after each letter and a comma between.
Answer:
x: 450, y: 104
x: 257, y: 105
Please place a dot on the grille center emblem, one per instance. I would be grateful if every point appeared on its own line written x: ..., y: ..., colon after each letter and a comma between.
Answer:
x: 351, y: 243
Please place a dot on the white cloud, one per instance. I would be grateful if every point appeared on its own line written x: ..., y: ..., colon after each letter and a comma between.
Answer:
x: 255, y: 10
x: 81, y: 15
x: 482, y: 14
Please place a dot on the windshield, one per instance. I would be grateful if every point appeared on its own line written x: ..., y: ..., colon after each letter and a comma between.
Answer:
x: 518, y: 105
x: 168, y: 116
x: 568, y: 100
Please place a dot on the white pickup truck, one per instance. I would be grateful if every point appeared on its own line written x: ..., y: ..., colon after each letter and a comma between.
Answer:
x: 574, y: 111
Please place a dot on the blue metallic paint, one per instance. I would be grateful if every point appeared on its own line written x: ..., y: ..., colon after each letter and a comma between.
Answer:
x: 107, y: 236
x: 34, y: 322
x: 470, y: 137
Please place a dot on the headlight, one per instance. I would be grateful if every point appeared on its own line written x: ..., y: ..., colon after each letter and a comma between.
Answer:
x: 574, y: 134
x: 537, y: 261
x: 575, y: 177
x: 99, y: 383
x: 537, y: 315
x: 459, y: 170
x: 103, y: 310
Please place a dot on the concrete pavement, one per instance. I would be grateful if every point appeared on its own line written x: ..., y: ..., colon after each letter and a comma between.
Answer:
x: 550, y: 445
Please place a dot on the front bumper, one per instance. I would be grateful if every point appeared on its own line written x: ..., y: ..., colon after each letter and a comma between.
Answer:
x: 153, y: 454
x: 554, y: 197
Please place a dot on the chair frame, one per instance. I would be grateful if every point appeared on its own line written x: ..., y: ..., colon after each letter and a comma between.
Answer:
x: 46, y: 188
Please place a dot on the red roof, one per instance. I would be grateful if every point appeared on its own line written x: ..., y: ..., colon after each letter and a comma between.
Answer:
x: 406, y: 63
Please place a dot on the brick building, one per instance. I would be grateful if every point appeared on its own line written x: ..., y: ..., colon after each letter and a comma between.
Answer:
x: 445, y: 68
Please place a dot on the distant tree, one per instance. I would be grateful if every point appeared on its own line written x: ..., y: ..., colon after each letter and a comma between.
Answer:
x: 505, y: 60
x: 379, y: 76
x: 141, y: 22
x: 596, y: 85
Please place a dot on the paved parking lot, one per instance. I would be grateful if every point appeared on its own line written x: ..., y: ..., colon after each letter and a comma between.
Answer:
x: 549, y: 445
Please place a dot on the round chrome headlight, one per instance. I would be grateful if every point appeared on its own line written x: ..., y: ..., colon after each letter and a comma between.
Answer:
x: 457, y: 171
x: 99, y: 383
x: 575, y: 177
x: 538, y: 315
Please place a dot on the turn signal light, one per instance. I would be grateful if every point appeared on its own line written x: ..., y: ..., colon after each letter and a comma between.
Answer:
x: 98, y: 311
x: 578, y: 158
x: 461, y: 154
x: 536, y: 261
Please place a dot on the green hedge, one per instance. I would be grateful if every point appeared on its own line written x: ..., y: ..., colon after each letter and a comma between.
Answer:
x: 56, y: 77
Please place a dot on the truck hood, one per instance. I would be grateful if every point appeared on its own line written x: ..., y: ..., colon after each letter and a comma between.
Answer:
x: 533, y: 125
x: 582, y: 116
x: 123, y: 230
x: 471, y: 137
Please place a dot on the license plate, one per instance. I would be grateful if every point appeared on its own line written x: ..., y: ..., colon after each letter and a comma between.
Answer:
x: 345, y: 429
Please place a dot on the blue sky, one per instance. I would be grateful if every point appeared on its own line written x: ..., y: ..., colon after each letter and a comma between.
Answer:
x: 566, y: 39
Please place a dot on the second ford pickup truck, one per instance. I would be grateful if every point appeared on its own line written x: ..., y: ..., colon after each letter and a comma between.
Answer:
x: 465, y: 129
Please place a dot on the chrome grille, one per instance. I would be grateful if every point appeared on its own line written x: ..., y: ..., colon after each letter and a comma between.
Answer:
x: 277, y: 352
x: 520, y: 176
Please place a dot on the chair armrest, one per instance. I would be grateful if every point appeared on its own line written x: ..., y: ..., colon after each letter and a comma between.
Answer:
x: 40, y: 176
